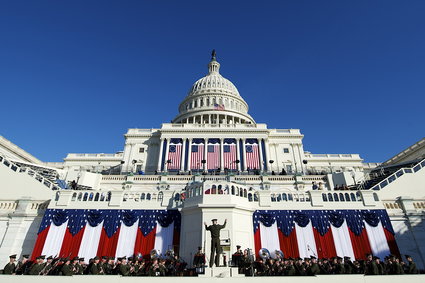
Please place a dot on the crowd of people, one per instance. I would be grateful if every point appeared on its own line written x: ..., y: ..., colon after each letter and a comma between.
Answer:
x: 174, y: 266
x: 373, y: 265
x: 132, y: 266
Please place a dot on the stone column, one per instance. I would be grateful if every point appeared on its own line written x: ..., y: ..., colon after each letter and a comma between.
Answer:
x: 238, y: 155
x: 205, y: 167
x: 189, y: 151
x: 167, y: 149
x: 183, y: 159
x: 244, y: 154
x: 161, y: 146
x: 260, y: 149
x: 268, y: 153
x: 221, y: 154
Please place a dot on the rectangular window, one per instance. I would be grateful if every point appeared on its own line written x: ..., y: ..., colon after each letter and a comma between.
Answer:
x: 286, y: 150
x: 141, y: 150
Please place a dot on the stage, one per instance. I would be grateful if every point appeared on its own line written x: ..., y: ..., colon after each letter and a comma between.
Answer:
x: 270, y: 279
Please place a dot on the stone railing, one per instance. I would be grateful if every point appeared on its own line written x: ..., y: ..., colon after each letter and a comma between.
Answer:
x: 398, y: 174
x: 33, y: 174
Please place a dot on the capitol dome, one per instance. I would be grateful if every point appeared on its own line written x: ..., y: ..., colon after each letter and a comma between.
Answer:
x: 213, y: 99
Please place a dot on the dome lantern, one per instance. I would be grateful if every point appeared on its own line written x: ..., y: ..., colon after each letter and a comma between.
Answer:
x: 213, y: 99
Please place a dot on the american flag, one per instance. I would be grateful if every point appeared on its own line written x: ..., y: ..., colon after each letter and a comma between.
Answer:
x: 196, y: 156
x: 174, y: 155
x: 229, y: 156
x: 218, y: 106
x: 213, y: 156
x: 252, y: 156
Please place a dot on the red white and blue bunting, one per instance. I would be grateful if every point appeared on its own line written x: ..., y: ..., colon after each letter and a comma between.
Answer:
x: 325, y: 233
x: 89, y: 233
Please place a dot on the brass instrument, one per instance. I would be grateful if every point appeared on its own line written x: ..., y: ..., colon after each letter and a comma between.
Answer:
x: 154, y: 254
x: 279, y: 254
x: 264, y: 253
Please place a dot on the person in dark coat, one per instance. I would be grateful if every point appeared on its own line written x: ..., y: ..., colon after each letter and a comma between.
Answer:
x: 23, y: 265
x: 10, y: 267
x: 95, y: 268
x: 411, y: 267
x: 215, y: 241
x: 37, y: 267
x: 67, y: 268
x: 314, y: 268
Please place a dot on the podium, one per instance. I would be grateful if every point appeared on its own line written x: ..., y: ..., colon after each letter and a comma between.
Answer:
x: 221, y: 272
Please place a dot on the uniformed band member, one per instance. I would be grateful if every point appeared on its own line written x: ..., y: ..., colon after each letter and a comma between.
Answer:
x: 237, y: 257
x: 199, y: 259
x: 411, y: 268
x: 215, y: 241
x: 10, y: 266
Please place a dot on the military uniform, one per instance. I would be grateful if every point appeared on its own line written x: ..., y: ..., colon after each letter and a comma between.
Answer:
x: 9, y: 268
x: 215, y: 242
x: 67, y: 269
x: 36, y: 268
x: 95, y: 269
x: 124, y: 269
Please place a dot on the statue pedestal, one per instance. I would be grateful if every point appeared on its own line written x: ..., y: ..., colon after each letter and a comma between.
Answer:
x: 221, y: 272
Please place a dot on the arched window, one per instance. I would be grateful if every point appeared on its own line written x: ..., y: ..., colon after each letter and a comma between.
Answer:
x: 85, y: 197
x: 336, y: 197
x: 353, y: 197
x: 80, y: 196
x: 290, y: 198
x: 142, y: 196
x: 241, y: 192
x: 347, y: 197
x: 249, y: 197
x: 220, y: 190
x: 160, y: 196
x: 102, y: 196
x: 96, y: 197
x: 273, y: 198
x: 279, y: 197
x: 324, y: 197
x: 74, y: 196
x: 375, y: 197
x: 330, y: 198
x: 341, y: 196
x: 255, y: 197
x: 284, y: 197
x: 148, y: 196
x: 91, y: 196
x: 57, y: 196
x: 213, y: 190
x: 358, y: 196
x: 244, y: 193
x: 237, y: 191
x: 233, y: 190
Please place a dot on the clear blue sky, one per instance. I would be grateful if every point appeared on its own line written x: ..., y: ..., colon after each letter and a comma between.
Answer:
x: 75, y: 75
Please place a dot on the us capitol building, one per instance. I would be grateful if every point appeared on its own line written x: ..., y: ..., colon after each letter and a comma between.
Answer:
x: 212, y: 161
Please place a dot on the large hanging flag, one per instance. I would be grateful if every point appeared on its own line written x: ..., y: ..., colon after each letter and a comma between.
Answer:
x: 229, y: 154
x: 107, y: 232
x: 324, y: 233
x: 197, y: 154
x: 213, y: 154
x: 175, y: 154
x: 252, y: 154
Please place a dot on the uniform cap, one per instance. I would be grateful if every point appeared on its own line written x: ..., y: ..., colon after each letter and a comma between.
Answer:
x: 12, y: 256
x: 238, y: 247
x: 26, y: 256
x: 49, y: 257
x: 81, y: 259
x: 75, y: 258
x: 214, y: 219
x: 96, y: 258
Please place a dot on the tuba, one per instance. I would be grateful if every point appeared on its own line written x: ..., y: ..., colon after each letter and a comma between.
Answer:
x: 264, y: 253
x: 170, y: 254
x: 279, y: 255
x: 154, y: 254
